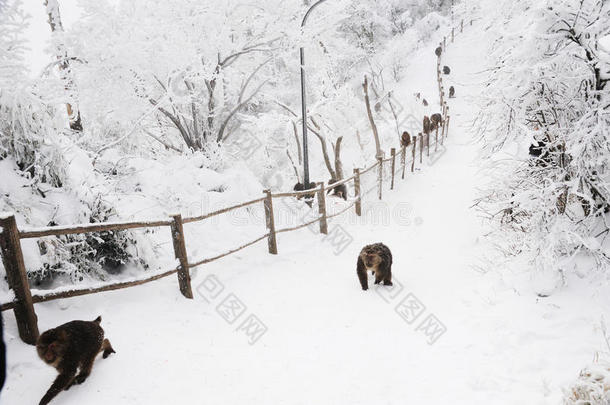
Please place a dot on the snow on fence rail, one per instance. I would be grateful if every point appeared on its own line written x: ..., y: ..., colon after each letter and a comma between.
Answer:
x: 12, y: 255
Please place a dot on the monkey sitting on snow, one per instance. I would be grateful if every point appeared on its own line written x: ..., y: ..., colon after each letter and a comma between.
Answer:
x: 378, y: 259
x: 69, y: 348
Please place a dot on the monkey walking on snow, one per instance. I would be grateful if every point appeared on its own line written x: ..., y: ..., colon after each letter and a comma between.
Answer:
x: 378, y: 259
x: 69, y: 348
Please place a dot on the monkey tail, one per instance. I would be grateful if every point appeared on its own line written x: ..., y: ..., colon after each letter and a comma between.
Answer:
x: 98, y: 319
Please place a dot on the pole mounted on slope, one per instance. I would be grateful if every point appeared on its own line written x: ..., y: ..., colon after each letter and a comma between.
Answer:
x: 304, y: 103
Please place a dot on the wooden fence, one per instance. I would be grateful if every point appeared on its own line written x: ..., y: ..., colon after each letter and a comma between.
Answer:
x: 11, y: 236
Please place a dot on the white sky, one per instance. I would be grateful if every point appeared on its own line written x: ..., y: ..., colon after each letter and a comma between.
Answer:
x: 39, y: 31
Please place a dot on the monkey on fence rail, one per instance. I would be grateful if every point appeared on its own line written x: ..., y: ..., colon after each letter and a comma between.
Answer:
x: 438, y: 51
x: 426, y: 125
x: 340, y: 190
x: 451, y: 92
x: 436, y: 121
x: 378, y: 259
x: 405, y: 139
x: 69, y: 348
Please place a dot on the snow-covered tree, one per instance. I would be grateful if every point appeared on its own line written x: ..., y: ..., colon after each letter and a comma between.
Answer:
x: 547, y: 88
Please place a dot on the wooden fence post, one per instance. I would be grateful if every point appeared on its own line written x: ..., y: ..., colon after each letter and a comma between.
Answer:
x: 380, y: 176
x: 270, y: 222
x: 184, y: 277
x: 421, y: 148
x: 444, y: 43
x: 413, y: 152
x: 403, y: 159
x: 447, y: 124
x: 452, y: 34
x: 27, y: 321
x: 462, y: 25
x: 445, y: 133
x: 436, y: 139
x: 428, y: 143
x: 358, y: 203
x: 322, y: 210
x: 393, y: 153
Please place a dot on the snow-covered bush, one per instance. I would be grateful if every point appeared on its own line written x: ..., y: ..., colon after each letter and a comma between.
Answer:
x: 27, y: 126
x: 591, y: 388
x: 547, y: 87
x: 39, y: 161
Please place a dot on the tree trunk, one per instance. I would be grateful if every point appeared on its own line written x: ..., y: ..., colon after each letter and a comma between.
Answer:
x: 52, y: 8
x: 325, y: 155
x: 365, y: 86
x: 338, y: 164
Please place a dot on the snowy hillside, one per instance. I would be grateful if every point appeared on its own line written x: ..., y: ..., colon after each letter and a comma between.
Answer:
x: 483, y: 310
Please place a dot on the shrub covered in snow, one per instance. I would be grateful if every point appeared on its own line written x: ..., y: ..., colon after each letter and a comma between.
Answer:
x: 591, y: 388
x: 39, y: 160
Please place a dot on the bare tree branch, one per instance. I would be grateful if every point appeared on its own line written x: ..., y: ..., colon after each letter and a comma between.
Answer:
x: 161, y: 141
x: 221, y: 131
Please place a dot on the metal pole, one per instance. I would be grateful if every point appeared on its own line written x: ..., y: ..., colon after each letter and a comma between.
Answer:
x: 304, y: 115
x: 304, y: 104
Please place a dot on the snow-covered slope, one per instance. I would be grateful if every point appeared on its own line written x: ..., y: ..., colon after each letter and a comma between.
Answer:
x: 320, y: 339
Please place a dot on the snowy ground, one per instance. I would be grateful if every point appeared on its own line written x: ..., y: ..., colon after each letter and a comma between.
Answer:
x: 326, y: 341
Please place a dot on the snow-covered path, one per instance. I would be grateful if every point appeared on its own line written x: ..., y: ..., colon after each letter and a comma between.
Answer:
x: 326, y: 341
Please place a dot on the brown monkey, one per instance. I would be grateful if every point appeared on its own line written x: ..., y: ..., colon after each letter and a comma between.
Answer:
x: 69, y: 348
x: 438, y: 51
x: 308, y: 197
x: 446, y: 70
x: 437, y: 120
x: 377, y: 258
x: 451, y: 92
x: 424, y: 102
x: 340, y: 190
x: 405, y: 139
x: 426, y: 125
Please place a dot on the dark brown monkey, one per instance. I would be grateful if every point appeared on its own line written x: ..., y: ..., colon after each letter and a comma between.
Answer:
x: 300, y: 187
x: 405, y: 139
x: 426, y: 126
x: 308, y: 197
x: 377, y: 258
x: 438, y: 51
x: 446, y: 70
x: 340, y: 190
x: 69, y: 348
x: 424, y: 102
x: 437, y: 120
x: 451, y: 92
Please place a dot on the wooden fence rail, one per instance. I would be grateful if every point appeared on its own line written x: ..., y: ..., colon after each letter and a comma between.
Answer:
x: 11, y: 236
